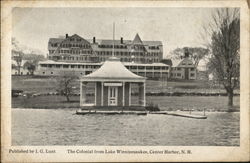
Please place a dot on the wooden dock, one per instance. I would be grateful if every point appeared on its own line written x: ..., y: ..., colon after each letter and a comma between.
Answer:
x: 118, y: 112
x: 105, y: 112
x: 188, y: 115
x: 180, y: 114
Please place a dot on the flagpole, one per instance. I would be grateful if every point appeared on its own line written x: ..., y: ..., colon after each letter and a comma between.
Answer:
x: 113, y: 54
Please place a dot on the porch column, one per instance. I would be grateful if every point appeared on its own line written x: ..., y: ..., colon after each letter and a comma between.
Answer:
x: 161, y: 71
x: 129, y: 94
x: 95, y: 92
x: 102, y: 94
x: 142, y: 97
x: 83, y: 93
x: 123, y: 93
x: 153, y: 71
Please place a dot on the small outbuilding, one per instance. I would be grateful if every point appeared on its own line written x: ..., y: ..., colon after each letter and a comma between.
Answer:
x: 113, y: 86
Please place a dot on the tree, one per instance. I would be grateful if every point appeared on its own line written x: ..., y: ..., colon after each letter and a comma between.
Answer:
x: 21, y: 52
x: 13, y: 66
x: 18, y: 57
x: 32, y: 61
x: 17, y: 54
x: 225, y: 47
x: 66, y: 85
x: 195, y: 53
x: 33, y: 56
x: 30, y: 66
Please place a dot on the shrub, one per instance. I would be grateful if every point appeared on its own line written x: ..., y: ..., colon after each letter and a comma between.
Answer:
x: 152, y: 107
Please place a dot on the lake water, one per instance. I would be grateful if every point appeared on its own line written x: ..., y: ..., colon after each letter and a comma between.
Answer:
x: 62, y: 127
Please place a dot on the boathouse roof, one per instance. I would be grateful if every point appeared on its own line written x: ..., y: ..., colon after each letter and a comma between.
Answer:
x: 113, y: 70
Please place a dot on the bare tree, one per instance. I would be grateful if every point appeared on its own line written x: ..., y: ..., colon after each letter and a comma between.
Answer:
x: 195, y: 53
x: 32, y: 61
x: 225, y: 49
x: 17, y: 54
x: 66, y: 85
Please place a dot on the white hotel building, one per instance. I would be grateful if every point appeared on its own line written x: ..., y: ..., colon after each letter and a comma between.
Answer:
x: 79, y: 56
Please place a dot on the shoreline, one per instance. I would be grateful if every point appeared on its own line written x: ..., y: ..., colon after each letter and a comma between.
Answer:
x: 194, y: 111
x: 165, y: 103
x: 180, y: 93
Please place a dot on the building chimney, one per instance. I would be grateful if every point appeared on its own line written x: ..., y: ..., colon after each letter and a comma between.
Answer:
x: 67, y: 35
x: 93, y: 39
x: 186, y: 53
x: 121, y: 40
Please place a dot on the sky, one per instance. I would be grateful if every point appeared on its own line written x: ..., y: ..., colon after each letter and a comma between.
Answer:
x: 175, y: 27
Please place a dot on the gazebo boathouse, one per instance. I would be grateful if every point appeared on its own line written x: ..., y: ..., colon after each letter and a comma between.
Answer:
x: 113, y: 87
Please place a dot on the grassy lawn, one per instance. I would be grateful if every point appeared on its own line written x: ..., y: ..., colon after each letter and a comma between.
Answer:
x: 50, y: 84
x: 45, y: 102
x: 212, y: 103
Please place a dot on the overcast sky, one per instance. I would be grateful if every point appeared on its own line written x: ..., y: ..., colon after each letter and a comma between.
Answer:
x: 175, y: 27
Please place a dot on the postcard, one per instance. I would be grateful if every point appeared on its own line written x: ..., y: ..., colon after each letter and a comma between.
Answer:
x: 115, y: 81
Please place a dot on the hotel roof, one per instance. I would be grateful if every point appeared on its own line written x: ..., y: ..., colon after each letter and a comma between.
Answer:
x: 186, y: 62
x: 137, y: 40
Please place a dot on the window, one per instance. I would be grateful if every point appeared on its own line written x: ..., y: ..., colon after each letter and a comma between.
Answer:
x: 178, y: 74
x: 43, y: 72
x: 192, y: 74
x: 178, y: 69
x: 141, y: 67
x: 192, y: 69
x: 88, y: 72
x: 51, y: 72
